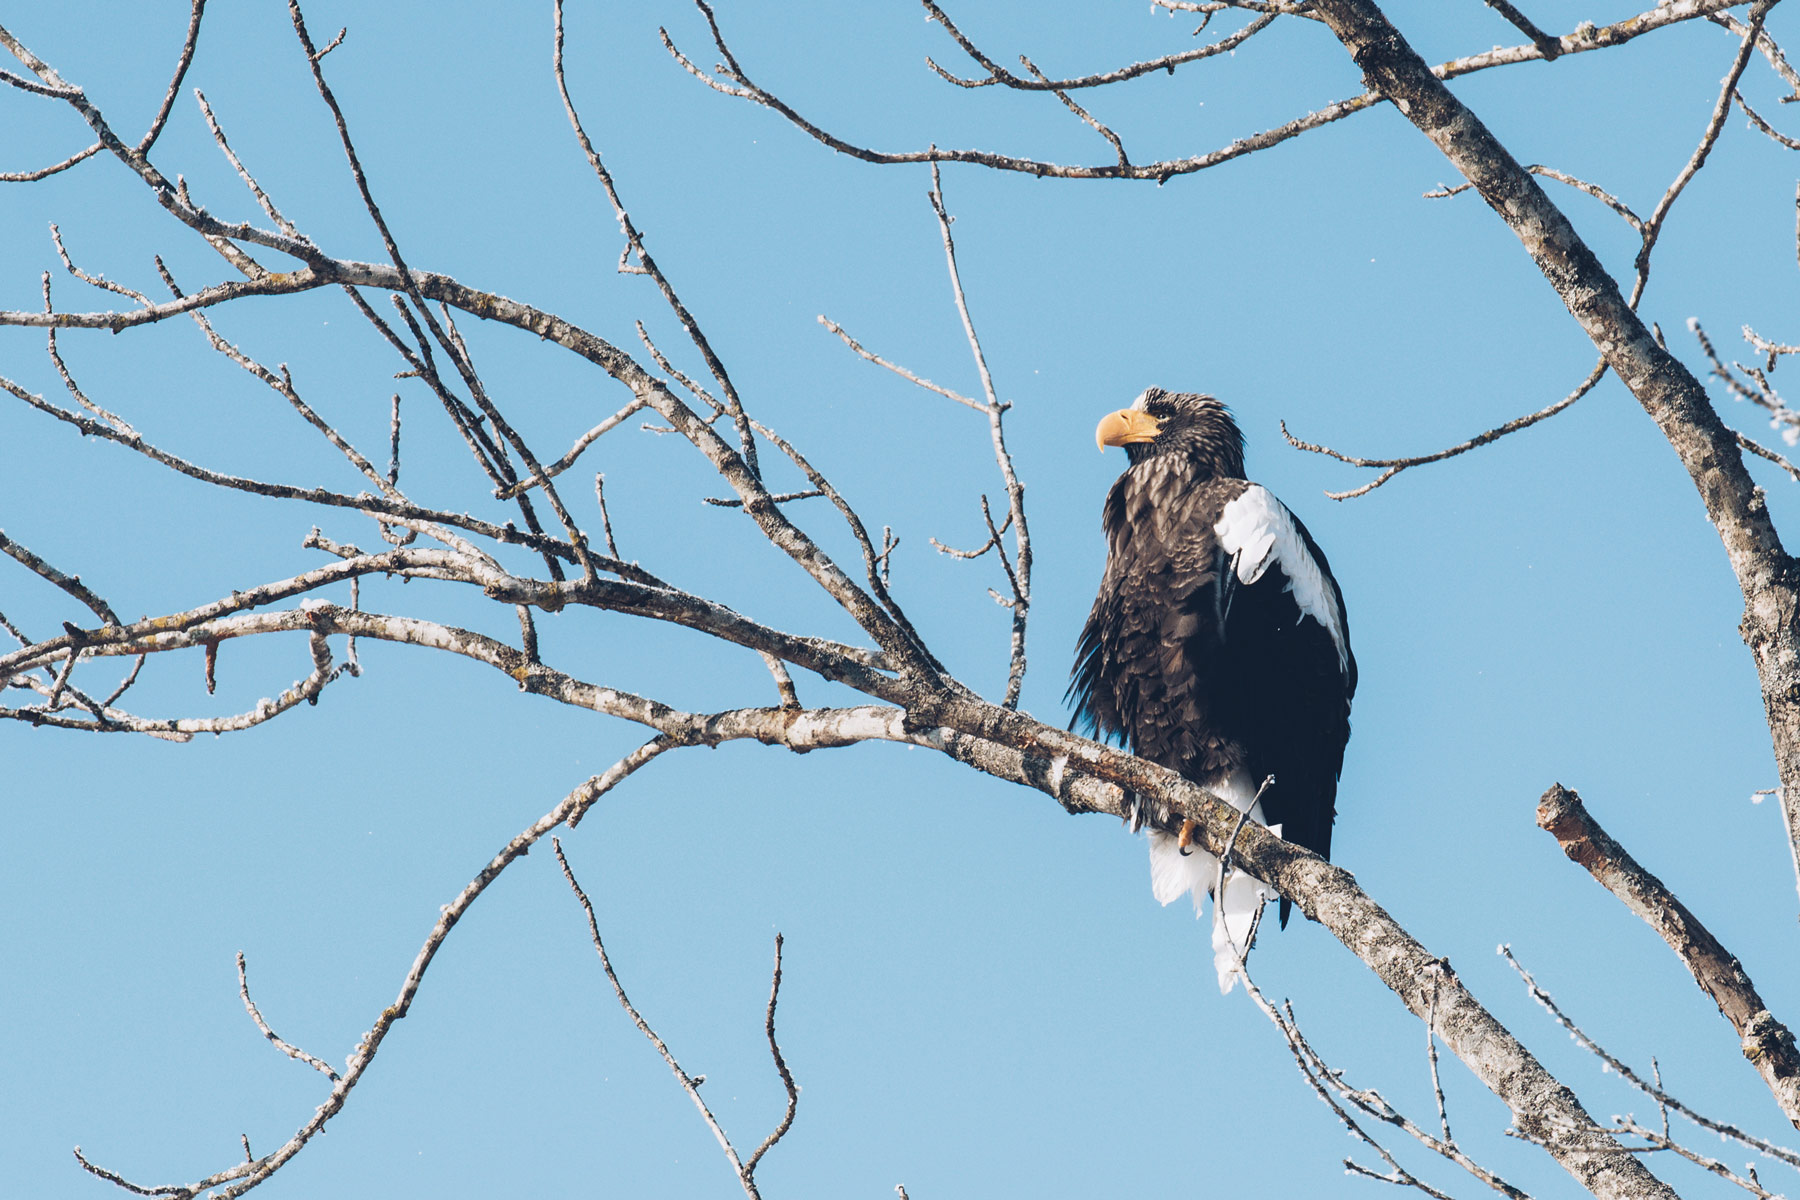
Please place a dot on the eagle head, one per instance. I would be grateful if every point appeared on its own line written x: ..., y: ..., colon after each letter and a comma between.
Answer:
x: 1193, y: 426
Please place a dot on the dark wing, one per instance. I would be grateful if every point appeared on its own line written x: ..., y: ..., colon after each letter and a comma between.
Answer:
x: 1142, y: 662
x: 1285, y: 661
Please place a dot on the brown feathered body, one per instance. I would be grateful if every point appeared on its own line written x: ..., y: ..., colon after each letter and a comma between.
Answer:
x: 1218, y: 644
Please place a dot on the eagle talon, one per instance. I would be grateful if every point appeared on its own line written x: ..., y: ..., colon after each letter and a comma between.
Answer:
x: 1184, y: 843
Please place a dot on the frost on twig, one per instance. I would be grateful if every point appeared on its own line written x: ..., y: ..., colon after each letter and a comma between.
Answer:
x: 1659, y: 1139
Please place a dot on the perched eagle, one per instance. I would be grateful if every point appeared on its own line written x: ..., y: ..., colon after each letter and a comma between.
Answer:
x: 1218, y: 646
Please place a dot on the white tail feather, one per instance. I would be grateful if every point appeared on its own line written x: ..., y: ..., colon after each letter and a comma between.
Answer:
x: 1234, y: 923
x: 1173, y: 874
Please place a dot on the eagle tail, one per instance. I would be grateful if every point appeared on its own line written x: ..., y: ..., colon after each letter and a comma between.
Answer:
x: 1235, y: 916
x: 1234, y: 926
x: 1173, y: 875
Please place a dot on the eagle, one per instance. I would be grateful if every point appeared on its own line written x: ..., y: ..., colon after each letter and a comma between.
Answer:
x: 1218, y: 647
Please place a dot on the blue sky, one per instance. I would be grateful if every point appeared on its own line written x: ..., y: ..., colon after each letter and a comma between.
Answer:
x: 981, y: 996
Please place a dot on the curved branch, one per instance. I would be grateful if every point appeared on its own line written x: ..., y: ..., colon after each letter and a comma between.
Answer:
x: 54, y: 168
x: 245, y: 1176
x: 689, y: 1083
x: 1396, y: 465
x: 182, y: 729
x: 999, y: 74
x: 781, y: 1068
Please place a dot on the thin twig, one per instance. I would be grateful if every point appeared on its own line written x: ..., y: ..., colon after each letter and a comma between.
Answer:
x: 1762, y: 451
x: 1581, y: 185
x: 781, y: 1068
x: 376, y: 506
x: 1018, y: 572
x: 256, y: 190
x: 1330, y: 1087
x: 1087, y: 118
x: 1768, y: 129
x: 1714, y: 125
x: 244, y: 1176
x: 196, y: 10
x: 581, y: 444
x: 635, y: 242
x: 1631, y: 1077
x: 69, y: 583
x: 689, y: 1083
x: 54, y: 168
x: 452, y: 344
x: 1769, y: 49
x: 998, y: 74
x: 1547, y: 45
x: 773, y: 498
x: 1393, y: 466
x: 606, y: 528
x: 1662, y: 1141
x: 292, y: 1051
x: 1431, y: 1057
x: 1586, y: 37
x: 899, y: 370
x: 784, y: 682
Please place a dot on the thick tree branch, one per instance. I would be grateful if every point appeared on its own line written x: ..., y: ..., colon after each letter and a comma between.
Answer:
x: 1542, y: 1107
x: 1665, y: 388
x: 1766, y: 1041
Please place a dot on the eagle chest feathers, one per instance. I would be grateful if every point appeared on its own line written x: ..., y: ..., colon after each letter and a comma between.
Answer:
x: 1162, y: 631
x: 1218, y: 644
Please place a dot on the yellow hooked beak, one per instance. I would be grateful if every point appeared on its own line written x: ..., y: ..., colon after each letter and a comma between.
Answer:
x: 1126, y: 426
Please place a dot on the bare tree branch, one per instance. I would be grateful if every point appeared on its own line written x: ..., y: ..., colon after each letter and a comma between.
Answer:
x: 690, y: 1084
x: 1631, y: 1077
x: 901, y: 371
x: 998, y: 74
x: 1668, y: 392
x: 781, y: 1068
x: 923, y: 704
x: 1767, y: 1043
x: 293, y: 1052
x: 647, y: 265
x: 196, y: 10
x: 1330, y: 1087
x: 1019, y: 576
x: 1393, y: 466
x: 69, y: 583
x: 244, y: 1176
x: 1586, y: 37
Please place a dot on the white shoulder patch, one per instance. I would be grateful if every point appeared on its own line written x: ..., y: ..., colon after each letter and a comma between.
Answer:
x: 1257, y: 529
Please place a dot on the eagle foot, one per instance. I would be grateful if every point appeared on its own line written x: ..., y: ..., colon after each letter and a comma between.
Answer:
x: 1184, y: 843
